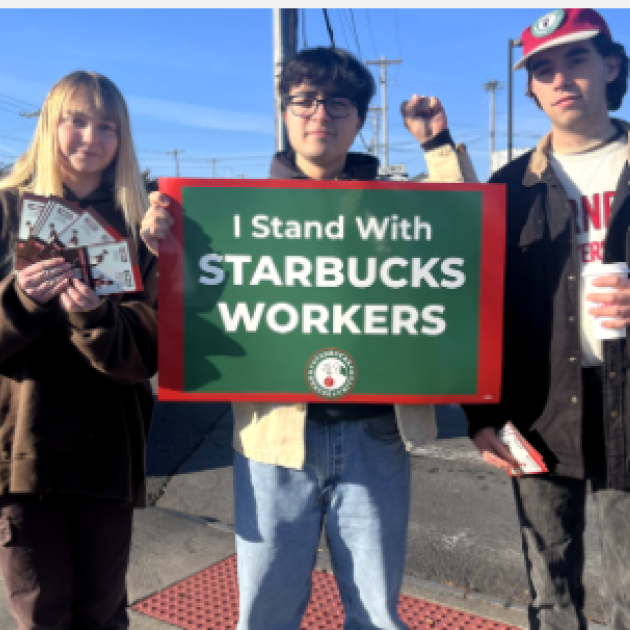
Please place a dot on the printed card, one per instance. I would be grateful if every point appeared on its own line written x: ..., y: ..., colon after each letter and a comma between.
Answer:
x: 89, y: 229
x: 52, y: 249
x: 33, y: 249
x: 78, y: 259
x: 31, y: 209
x: 530, y: 459
x: 57, y: 218
x: 21, y: 261
x: 114, y: 268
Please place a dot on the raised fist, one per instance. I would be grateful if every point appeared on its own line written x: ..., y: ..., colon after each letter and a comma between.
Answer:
x: 424, y: 117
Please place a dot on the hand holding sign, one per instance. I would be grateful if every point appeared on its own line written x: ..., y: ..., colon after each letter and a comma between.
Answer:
x: 424, y: 117
x: 157, y: 222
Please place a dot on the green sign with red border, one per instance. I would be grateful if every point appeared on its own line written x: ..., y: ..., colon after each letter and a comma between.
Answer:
x: 304, y: 291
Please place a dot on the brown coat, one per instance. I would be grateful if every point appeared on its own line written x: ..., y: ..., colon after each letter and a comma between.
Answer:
x: 75, y: 402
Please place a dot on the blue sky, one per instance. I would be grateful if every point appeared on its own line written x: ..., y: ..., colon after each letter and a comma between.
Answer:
x: 201, y: 80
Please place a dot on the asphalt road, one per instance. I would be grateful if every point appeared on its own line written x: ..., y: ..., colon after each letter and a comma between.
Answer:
x: 463, y: 529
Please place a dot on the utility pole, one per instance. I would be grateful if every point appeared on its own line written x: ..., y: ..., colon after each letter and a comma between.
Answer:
x: 383, y: 63
x: 175, y: 153
x: 214, y: 161
x: 512, y: 43
x: 492, y: 87
x: 375, y: 138
x: 285, y: 36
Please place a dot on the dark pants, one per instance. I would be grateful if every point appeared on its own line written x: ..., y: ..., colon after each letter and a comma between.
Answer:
x: 551, y: 511
x: 64, y: 560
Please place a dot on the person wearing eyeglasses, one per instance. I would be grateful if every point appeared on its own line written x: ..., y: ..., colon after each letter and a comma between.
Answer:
x: 299, y: 465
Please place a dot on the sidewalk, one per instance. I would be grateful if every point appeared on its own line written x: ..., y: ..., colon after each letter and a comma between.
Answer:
x: 183, y: 575
x: 186, y: 536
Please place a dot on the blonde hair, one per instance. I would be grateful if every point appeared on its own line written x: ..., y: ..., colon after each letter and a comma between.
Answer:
x: 38, y: 170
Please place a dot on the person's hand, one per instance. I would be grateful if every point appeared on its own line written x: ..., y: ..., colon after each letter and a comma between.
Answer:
x: 44, y: 280
x: 156, y: 225
x: 424, y: 117
x: 493, y: 451
x: 79, y: 297
x: 614, y: 304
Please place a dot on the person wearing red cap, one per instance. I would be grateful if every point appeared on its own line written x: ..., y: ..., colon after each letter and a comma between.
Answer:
x: 566, y: 391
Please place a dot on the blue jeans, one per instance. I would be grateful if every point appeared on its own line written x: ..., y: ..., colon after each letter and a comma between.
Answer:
x: 357, y: 476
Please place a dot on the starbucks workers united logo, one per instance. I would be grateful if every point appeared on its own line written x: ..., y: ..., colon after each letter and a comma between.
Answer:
x: 331, y: 373
x: 548, y: 23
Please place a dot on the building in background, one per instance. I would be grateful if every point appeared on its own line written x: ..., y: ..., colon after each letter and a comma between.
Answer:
x: 500, y: 158
x: 396, y: 172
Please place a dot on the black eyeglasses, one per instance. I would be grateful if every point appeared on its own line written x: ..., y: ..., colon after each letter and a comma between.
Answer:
x: 335, y: 106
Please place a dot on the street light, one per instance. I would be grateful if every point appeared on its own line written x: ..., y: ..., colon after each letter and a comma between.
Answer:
x: 512, y: 44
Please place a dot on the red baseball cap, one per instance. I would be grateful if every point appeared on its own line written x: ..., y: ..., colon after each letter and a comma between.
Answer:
x: 562, y: 26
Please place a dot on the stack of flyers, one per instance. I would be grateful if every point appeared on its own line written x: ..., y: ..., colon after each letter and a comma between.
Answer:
x: 530, y: 459
x: 51, y: 227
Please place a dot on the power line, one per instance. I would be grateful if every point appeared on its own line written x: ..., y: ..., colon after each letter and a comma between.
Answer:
x: 304, y: 40
x: 329, y: 27
x: 356, y: 36
x: 397, y: 43
x: 14, y: 138
x: 11, y: 111
x: 17, y: 100
x: 367, y: 14
x: 203, y: 159
x: 9, y: 103
x: 343, y: 29
x: 175, y: 153
x: 214, y: 163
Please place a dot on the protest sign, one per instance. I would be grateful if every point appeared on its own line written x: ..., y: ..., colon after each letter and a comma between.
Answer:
x: 304, y: 291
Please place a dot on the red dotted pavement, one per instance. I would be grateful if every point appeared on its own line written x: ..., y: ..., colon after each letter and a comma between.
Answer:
x: 208, y: 600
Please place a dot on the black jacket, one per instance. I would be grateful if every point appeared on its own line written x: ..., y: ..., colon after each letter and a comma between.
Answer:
x: 359, y: 166
x: 542, y: 375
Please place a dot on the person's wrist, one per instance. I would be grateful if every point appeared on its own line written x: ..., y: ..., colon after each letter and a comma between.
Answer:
x: 440, y: 139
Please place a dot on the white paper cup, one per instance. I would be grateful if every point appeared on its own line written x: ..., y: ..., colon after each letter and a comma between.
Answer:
x: 589, y: 274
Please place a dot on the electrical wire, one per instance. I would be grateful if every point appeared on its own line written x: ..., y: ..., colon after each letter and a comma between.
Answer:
x: 20, y: 101
x: 4, y: 101
x: 343, y: 29
x: 354, y: 29
x: 11, y: 111
x: 397, y: 44
x: 367, y: 15
x: 330, y: 31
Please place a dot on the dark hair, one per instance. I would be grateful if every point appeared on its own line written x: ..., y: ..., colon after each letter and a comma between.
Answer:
x: 616, y: 90
x: 329, y: 66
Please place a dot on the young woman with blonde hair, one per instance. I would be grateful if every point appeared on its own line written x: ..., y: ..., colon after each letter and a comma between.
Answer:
x: 75, y: 403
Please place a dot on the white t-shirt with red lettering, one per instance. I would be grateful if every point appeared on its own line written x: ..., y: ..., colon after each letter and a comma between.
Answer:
x: 590, y: 180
